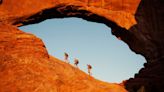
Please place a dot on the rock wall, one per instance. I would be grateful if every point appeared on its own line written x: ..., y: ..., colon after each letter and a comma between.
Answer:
x: 150, y: 30
x: 20, y: 44
x: 138, y: 23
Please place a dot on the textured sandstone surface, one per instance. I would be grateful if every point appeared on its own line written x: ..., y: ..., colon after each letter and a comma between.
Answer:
x: 139, y: 23
x: 18, y: 44
x: 17, y: 11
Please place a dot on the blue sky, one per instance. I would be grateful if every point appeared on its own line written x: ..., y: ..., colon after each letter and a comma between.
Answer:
x: 92, y: 43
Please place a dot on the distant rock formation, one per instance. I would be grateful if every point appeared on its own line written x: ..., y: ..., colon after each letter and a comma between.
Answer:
x: 139, y: 23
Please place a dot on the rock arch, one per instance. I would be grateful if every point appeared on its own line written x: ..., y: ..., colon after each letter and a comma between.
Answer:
x: 138, y: 23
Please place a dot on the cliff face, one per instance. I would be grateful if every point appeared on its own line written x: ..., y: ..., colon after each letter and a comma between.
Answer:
x: 138, y: 23
x: 149, y: 31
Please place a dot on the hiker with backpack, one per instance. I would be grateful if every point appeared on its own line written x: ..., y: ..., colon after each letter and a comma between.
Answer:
x: 66, y: 57
x: 76, y: 62
x: 89, y: 67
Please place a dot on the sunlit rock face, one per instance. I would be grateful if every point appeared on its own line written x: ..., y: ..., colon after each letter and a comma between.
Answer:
x: 138, y: 23
x: 20, y: 44
x: 122, y: 13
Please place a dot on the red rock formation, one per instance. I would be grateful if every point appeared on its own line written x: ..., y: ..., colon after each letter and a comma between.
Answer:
x: 25, y: 66
x: 18, y: 44
x: 122, y: 14
x: 144, y: 22
x: 149, y: 32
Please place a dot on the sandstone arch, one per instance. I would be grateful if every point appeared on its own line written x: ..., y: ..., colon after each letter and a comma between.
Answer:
x: 138, y: 23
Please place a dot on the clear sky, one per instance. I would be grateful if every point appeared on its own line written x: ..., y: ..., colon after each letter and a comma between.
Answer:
x: 92, y: 43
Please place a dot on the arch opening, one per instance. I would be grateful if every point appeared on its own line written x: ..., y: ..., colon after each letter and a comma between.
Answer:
x: 92, y: 43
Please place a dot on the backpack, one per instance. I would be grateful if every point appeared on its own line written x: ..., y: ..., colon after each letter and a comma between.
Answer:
x: 76, y: 61
x: 66, y: 54
x: 89, y: 67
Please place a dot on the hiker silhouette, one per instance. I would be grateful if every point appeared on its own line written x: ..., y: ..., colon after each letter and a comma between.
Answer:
x: 89, y: 67
x: 76, y: 62
x: 66, y: 57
